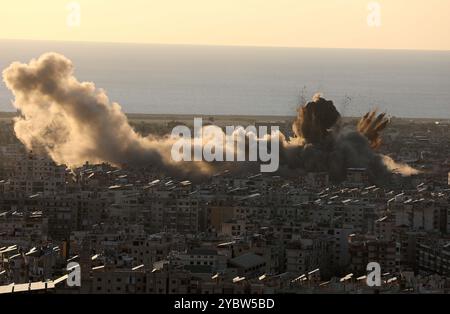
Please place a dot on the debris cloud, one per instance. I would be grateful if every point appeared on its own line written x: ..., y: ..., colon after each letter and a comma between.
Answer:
x: 315, y: 119
x: 371, y: 127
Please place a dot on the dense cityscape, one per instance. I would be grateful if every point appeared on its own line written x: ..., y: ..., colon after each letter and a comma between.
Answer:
x: 135, y: 230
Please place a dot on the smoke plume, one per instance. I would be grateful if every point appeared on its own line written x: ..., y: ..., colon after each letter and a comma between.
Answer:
x: 323, y: 145
x: 315, y: 119
x: 74, y: 122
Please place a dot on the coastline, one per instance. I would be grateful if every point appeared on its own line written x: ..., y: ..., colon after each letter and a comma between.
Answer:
x: 224, y: 119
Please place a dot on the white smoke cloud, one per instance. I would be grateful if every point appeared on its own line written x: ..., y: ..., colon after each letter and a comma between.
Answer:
x: 75, y: 122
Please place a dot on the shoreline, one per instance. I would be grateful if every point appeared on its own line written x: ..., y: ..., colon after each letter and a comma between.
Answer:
x: 149, y: 117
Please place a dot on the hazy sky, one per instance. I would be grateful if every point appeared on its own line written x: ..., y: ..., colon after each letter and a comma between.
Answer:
x: 405, y: 24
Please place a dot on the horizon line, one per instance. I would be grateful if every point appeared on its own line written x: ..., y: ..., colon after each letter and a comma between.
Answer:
x: 203, y: 115
x: 217, y: 45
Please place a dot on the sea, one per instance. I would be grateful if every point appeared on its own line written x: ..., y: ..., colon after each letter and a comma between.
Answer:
x: 230, y: 80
